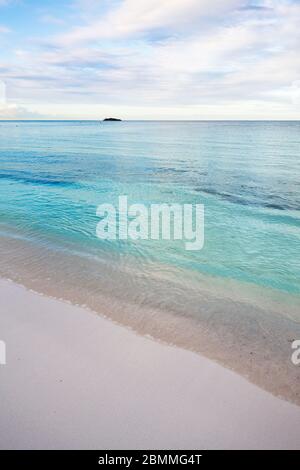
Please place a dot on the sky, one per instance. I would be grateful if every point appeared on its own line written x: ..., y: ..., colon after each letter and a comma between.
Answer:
x: 150, y: 59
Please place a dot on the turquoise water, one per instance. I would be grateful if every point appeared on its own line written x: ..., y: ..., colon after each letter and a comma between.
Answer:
x: 236, y: 301
x: 53, y: 175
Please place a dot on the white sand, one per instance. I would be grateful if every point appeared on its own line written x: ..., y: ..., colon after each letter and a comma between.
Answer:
x: 75, y: 380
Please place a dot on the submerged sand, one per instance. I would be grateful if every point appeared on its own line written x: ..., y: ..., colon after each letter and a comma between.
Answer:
x: 75, y: 380
x: 248, y: 331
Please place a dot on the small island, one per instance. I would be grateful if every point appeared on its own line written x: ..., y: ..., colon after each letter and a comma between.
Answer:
x: 112, y: 119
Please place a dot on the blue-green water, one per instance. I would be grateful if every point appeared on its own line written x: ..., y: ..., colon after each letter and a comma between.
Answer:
x: 236, y: 301
x: 247, y: 174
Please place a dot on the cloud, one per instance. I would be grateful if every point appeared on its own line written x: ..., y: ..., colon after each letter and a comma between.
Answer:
x: 194, y: 57
x: 140, y: 16
x: 4, y: 30
x: 12, y: 110
x: 15, y: 112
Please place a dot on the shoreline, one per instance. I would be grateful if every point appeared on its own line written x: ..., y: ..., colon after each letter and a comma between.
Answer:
x: 74, y: 379
x: 253, y: 341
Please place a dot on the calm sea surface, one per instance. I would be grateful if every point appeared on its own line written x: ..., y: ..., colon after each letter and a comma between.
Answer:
x: 244, y: 282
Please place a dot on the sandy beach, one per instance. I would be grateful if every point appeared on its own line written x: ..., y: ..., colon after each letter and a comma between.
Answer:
x: 149, y: 227
x: 74, y: 380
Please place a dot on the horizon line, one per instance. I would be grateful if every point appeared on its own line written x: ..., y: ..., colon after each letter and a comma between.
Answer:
x: 151, y: 120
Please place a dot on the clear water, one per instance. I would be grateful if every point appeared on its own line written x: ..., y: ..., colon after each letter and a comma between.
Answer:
x: 54, y: 174
x: 238, y: 296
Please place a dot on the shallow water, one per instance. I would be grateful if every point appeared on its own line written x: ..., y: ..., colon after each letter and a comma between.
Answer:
x: 237, y: 300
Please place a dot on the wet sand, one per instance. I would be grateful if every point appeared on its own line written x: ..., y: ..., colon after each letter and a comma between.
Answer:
x: 248, y: 331
x: 75, y: 380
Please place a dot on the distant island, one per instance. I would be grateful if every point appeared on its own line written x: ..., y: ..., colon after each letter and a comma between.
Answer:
x: 112, y: 119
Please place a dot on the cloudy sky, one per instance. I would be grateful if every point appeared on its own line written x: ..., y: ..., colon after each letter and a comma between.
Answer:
x: 150, y: 59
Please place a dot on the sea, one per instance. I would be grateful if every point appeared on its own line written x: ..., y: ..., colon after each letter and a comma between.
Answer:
x: 236, y: 301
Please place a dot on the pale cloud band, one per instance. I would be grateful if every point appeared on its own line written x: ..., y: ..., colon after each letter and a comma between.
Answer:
x: 164, y: 59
